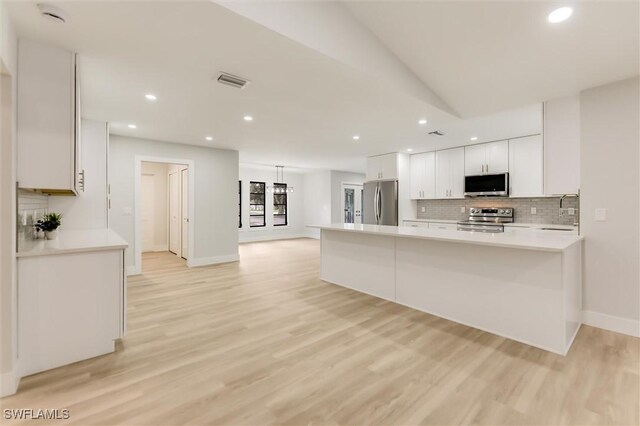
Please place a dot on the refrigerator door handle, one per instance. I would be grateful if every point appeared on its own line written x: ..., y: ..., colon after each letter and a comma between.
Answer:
x: 375, y: 203
x: 379, y: 207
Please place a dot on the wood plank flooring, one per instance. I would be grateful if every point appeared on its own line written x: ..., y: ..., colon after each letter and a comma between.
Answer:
x: 264, y: 341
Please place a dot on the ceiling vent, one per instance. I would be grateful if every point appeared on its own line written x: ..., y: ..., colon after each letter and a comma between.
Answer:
x: 232, y: 80
x: 52, y: 13
x: 436, y: 133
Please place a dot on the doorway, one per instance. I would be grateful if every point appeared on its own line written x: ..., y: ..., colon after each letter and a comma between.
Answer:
x: 352, y: 203
x: 163, y: 206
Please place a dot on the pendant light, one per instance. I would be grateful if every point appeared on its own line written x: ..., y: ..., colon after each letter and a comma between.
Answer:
x: 279, y: 180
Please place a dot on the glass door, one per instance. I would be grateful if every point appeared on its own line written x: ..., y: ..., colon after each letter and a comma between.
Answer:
x: 352, y: 203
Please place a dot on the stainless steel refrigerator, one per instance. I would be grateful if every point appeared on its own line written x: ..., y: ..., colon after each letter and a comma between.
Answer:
x: 380, y: 203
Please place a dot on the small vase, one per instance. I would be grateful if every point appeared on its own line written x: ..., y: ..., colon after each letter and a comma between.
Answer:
x: 51, y: 235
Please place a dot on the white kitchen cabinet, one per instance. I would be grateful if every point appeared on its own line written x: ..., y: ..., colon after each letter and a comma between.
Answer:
x: 48, y: 120
x: 487, y: 158
x: 450, y: 173
x: 71, y: 307
x: 423, y: 176
x: 525, y: 167
x: 415, y: 224
x: 562, y: 145
x: 382, y: 167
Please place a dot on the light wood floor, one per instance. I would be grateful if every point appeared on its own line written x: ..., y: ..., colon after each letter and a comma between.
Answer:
x: 265, y: 341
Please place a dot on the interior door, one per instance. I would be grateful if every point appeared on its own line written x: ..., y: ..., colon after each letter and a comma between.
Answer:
x: 184, y: 213
x: 147, y: 212
x: 174, y: 213
x: 352, y: 203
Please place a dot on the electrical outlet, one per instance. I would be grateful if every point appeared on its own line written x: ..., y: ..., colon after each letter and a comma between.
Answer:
x: 461, y: 209
x: 534, y: 210
x: 126, y: 211
x: 571, y: 211
x: 423, y: 209
x: 601, y: 215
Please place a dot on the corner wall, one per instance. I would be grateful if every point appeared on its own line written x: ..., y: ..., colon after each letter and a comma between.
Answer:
x: 317, y: 201
x: 610, y: 134
x: 216, y: 196
x: 337, y: 178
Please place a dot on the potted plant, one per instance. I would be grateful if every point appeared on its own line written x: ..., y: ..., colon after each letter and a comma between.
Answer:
x: 49, y: 224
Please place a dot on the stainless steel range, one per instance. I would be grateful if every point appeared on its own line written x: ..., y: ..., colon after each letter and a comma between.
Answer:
x: 487, y: 219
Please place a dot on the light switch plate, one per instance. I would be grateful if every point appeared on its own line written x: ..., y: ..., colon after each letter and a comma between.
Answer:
x: 601, y: 214
x: 126, y: 211
x: 461, y: 209
x: 534, y: 210
x: 423, y: 209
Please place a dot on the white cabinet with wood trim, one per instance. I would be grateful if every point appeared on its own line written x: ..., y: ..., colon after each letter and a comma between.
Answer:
x: 525, y: 167
x: 48, y: 124
x: 423, y: 176
x: 382, y: 167
x: 487, y: 158
x: 450, y: 173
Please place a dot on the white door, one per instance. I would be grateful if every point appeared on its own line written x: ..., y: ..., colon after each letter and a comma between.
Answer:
x: 443, y: 174
x: 174, y: 213
x: 352, y: 203
x: 497, y: 154
x: 147, y: 212
x: 474, y: 160
x: 525, y: 166
x: 418, y: 165
x: 184, y: 213
x: 456, y: 168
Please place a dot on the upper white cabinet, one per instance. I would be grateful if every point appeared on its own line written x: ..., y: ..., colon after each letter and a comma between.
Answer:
x: 423, y: 176
x: 487, y: 158
x: 525, y: 166
x: 382, y: 167
x: 48, y: 120
x: 450, y: 173
x: 562, y: 146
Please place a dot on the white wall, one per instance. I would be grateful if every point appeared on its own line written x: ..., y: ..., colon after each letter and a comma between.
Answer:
x: 8, y: 289
x: 159, y: 173
x: 317, y: 200
x: 610, y: 134
x: 337, y: 178
x: 215, y: 185
x: 88, y: 210
x: 295, y: 207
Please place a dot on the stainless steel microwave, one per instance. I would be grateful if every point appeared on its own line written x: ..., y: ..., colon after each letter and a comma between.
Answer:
x: 496, y: 185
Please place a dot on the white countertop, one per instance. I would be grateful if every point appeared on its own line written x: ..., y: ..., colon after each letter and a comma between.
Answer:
x: 514, y: 224
x: 76, y: 241
x: 521, y: 239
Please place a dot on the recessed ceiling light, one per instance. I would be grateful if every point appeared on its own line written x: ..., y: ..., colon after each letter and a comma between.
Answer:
x: 475, y: 138
x: 209, y: 138
x: 423, y: 121
x: 150, y: 97
x: 248, y: 118
x: 132, y: 126
x: 560, y: 14
x: 409, y: 149
x: 356, y: 137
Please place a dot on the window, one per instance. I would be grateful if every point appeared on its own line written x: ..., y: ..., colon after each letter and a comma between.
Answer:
x: 256, y: 204
x: 239, y: 204
x: 279, y: 204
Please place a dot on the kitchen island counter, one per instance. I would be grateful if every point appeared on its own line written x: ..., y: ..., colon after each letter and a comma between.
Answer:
x: 524, y: 285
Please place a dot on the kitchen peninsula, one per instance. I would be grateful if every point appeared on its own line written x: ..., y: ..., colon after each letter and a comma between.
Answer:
x: 523, y: 285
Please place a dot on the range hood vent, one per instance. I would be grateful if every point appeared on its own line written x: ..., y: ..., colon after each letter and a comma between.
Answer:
x: 232, y: 80
x: 436, y: 133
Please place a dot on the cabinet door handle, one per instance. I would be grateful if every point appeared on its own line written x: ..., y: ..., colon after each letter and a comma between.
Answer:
x: 487, y: 168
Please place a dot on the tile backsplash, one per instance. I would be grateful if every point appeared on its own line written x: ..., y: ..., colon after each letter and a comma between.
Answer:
x: 547, y: 209
x: 31, y: 206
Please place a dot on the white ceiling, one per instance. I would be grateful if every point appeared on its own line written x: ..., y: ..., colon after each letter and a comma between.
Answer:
x: 307, y: 104
x: 486, y: 56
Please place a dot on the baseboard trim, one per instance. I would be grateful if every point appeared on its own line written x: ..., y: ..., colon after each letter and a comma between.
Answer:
x: 214, y: 260
x: 9, y: 382
x: 157, y: 248
x: 609, y: 322
x: 248, y: 238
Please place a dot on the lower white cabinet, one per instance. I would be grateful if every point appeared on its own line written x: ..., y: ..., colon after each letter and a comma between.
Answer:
x: 525, y: 167
x: 415, y: 224
x: 71, y: 307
